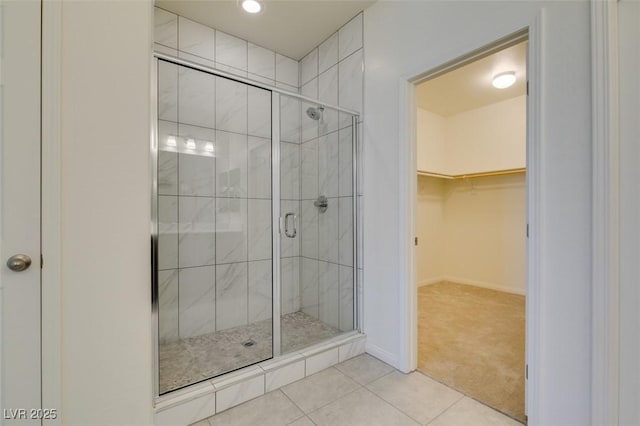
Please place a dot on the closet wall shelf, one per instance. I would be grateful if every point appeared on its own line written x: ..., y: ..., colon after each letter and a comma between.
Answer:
x: 473, y: 175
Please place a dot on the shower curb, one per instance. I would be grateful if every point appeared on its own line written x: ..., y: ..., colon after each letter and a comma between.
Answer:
x: 202, y: 400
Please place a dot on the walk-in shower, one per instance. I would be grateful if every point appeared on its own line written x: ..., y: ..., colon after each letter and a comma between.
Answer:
x: 253, y: 227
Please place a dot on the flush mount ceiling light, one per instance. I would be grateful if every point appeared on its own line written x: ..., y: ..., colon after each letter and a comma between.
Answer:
x: 251, y: 6
x: 504, y: 79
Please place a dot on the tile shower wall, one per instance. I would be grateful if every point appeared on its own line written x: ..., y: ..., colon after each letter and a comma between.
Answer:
x: 333, y: 73
x: 317, y: 266
x: 178, y: 36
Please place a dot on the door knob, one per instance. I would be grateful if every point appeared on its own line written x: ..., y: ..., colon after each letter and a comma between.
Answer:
x: 19, y: 262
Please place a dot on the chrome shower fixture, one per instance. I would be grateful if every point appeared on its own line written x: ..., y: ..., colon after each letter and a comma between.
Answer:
x: 322, y: 203
x: 315, y: 113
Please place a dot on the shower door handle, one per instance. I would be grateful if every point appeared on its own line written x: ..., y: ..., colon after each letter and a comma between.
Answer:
x: 286, y: 225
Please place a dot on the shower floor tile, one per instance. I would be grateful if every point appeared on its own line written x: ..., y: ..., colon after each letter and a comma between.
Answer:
x: 194, y: 359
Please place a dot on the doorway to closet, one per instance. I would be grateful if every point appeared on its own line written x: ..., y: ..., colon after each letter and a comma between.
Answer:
x: 470, y: 221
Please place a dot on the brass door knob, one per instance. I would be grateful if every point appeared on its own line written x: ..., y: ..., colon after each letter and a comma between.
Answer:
x: 19, y: 262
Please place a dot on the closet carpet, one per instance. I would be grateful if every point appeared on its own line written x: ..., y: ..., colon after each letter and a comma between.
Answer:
x: 472, y: 339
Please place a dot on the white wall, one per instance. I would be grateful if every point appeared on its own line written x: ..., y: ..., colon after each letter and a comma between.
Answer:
x: 472, y: 231
x: 106, y: 309
x: 404, y: 39
x: 430, y: 230
x: 431, y: 142
x: 489, y: 138
x: 629, y: 13
x: 485, y: 239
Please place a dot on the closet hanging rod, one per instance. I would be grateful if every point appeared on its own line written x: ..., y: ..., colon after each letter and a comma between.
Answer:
x: 473, y: 175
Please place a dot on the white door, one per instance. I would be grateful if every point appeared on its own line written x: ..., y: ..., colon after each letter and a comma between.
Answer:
x: 20, y: 375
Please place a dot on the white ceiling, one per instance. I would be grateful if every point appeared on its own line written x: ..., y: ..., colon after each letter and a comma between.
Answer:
x: 291, y: 28
x: 469, y: 87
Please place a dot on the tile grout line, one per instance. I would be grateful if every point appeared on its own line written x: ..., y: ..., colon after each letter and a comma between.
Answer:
x: 444, y: 411
x: 398, y: 408
x: 374, y: 380
x: 216, y: 129
x: 291, y: 400
x: 359, y: 387
x: 391, y: 404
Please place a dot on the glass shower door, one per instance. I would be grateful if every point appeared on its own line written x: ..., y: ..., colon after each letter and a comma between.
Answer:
x: 213, y: 265
x: 317, y: 211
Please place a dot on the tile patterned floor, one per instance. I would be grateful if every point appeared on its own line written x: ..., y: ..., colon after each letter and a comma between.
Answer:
x: 199, y: 358
x: 362, y: 391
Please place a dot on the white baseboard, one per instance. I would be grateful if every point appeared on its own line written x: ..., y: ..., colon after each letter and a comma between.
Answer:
x: 430, y: 281
x: 381, y: 354
x: 483, y: 284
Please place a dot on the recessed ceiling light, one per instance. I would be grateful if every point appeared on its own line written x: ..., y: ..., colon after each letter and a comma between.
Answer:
x: 251, y: 6
x: 504, y: 80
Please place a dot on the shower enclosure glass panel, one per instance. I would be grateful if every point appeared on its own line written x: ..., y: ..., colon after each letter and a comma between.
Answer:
x: 214, y: 226
x: 316, y: 207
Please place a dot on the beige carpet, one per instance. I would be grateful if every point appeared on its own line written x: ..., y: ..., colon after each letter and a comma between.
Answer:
x: 472, y: 339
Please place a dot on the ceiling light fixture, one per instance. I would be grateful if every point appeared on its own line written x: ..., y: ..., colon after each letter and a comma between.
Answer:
x: 504, y: 80
x: 251, y: 6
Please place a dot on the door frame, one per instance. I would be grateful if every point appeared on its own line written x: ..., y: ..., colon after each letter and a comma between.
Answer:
x: 407, y: 200
x: 605, y: 243
x: 51, y: 196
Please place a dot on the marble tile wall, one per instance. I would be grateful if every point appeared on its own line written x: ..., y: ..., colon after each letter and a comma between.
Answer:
x: 333, y: 72
x: 317, y: 265
x: 240, y: 179
x: 178, y: 36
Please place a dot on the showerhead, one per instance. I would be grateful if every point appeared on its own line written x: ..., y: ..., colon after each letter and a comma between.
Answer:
x: 315, y: 113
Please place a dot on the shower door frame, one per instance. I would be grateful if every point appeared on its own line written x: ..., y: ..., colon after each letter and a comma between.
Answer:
x: 276, y: 223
